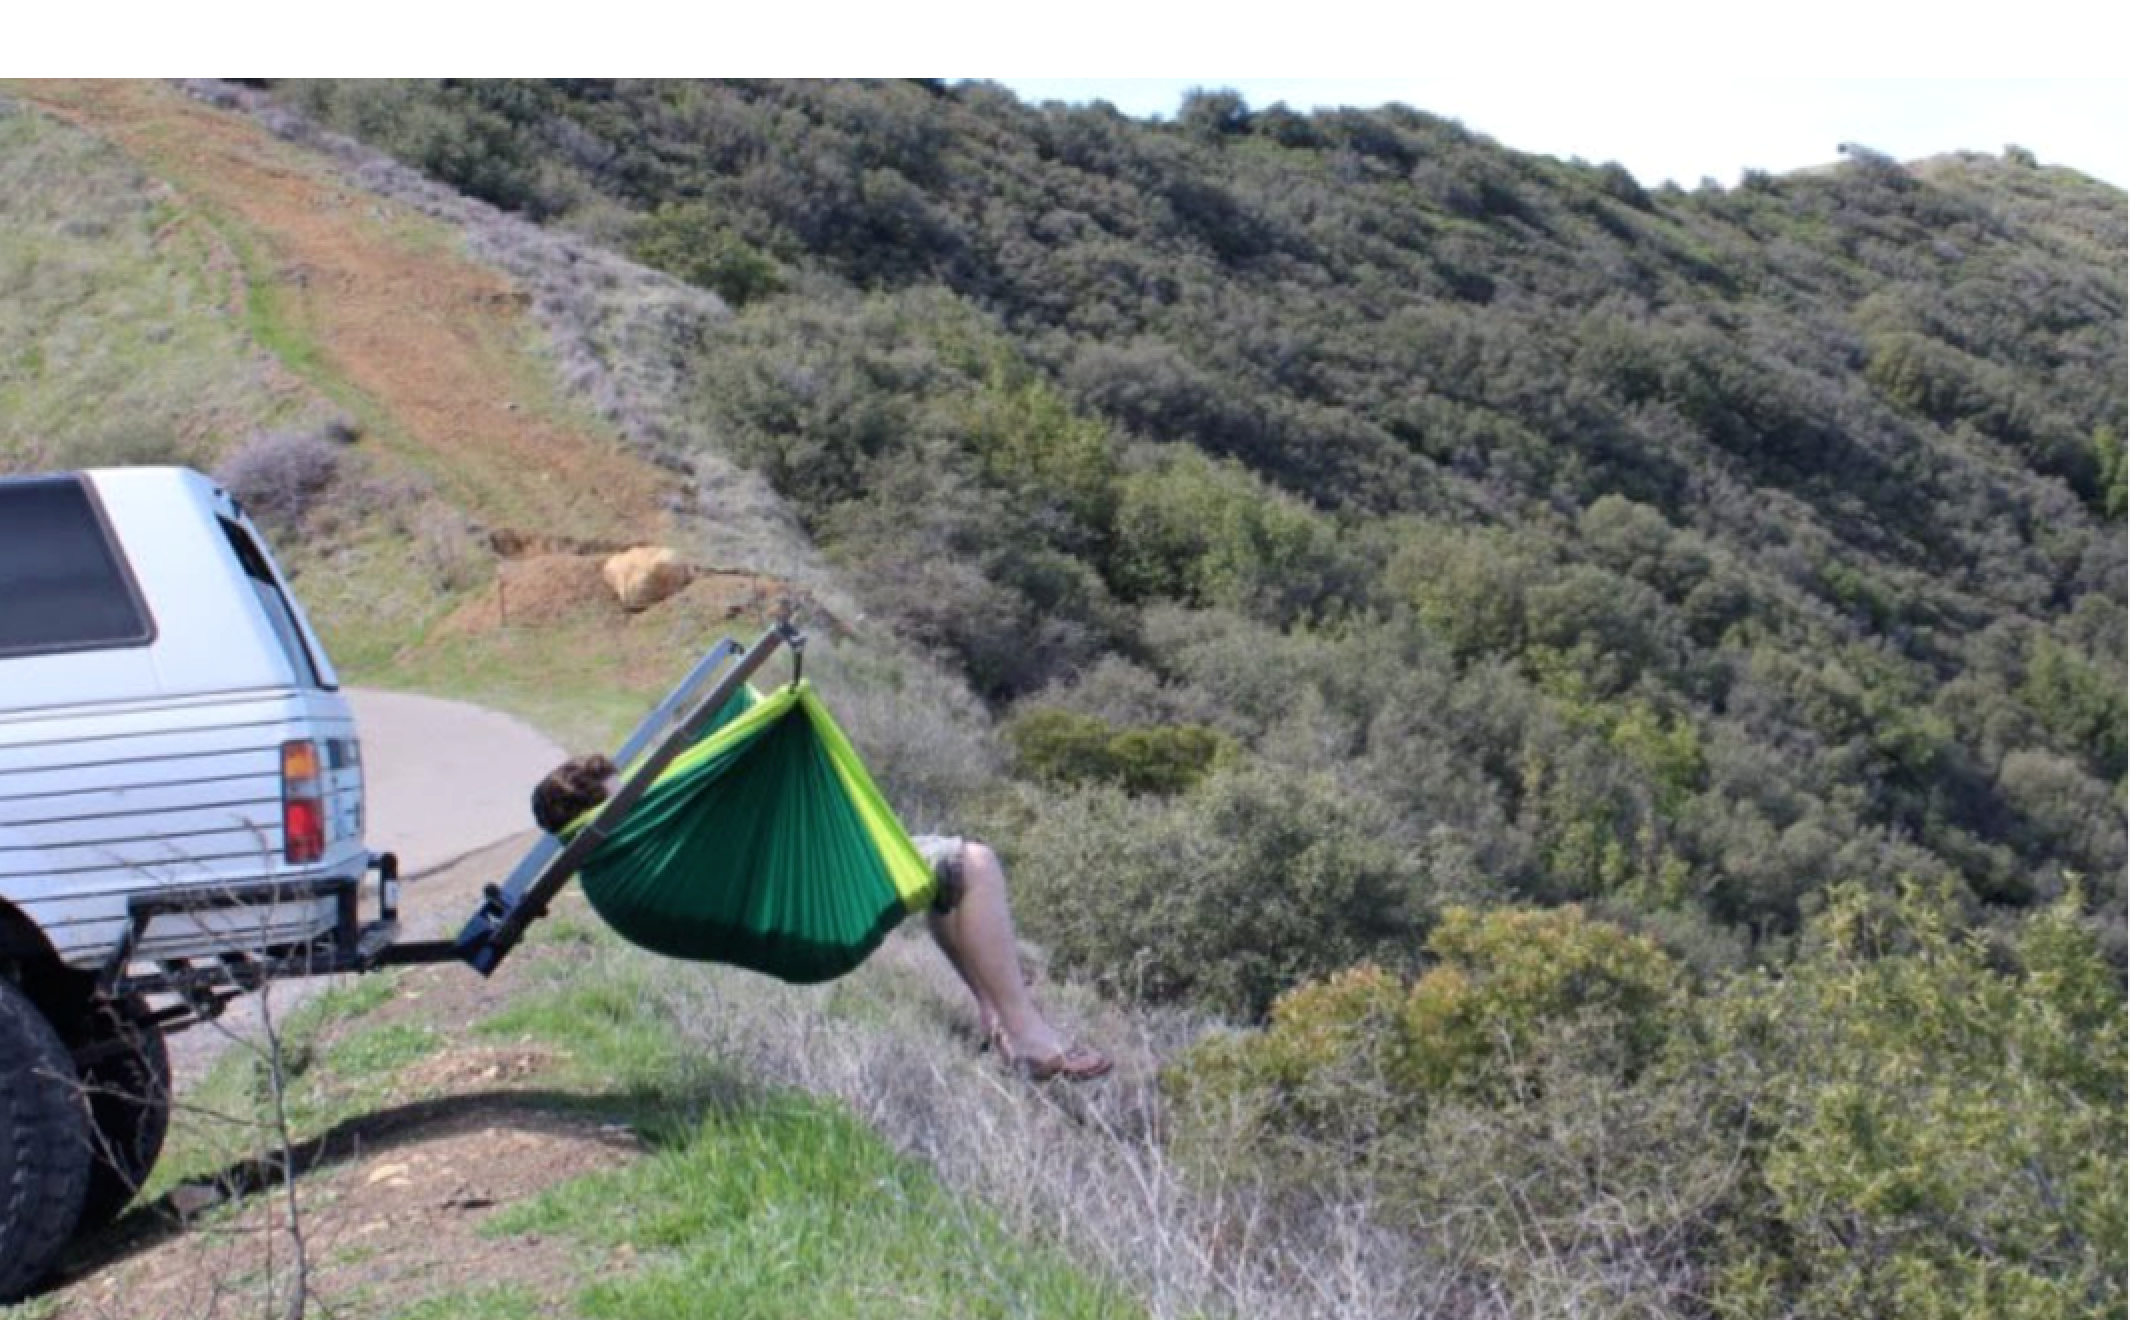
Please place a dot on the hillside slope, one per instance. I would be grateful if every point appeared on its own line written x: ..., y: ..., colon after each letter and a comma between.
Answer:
x: 1614, y: 696
x: 190, y: 288
x: 394, y: 322
x: 193, y: 289
x: 1757, y: 538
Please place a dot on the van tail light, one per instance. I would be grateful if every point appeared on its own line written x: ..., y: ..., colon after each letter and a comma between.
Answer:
x: 302, y: 803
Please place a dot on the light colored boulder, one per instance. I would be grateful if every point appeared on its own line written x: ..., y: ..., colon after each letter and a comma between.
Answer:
x: 644, y: 576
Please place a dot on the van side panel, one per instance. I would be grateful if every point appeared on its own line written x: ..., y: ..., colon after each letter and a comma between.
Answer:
x: 66, y: 679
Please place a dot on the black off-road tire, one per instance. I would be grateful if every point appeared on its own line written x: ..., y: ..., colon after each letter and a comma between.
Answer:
x: 125, y: 1072
x: 44, y: 1151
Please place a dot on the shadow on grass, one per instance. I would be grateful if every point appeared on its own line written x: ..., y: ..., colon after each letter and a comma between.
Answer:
x: 636, y: 1120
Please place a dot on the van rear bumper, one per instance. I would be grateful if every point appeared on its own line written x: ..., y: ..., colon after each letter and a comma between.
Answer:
x: 177, y: 943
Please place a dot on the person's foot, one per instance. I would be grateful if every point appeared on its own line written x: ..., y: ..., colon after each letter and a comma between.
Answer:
x: 1065, y: 1060
x: 1074, y: 1063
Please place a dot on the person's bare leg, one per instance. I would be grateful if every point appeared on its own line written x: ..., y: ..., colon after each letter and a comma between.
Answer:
x: 977, y: 938
x: 986, y: 1011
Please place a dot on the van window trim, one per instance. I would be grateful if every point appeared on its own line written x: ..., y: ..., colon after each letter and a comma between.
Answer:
x: 292, y: 640
x: 151, y: 630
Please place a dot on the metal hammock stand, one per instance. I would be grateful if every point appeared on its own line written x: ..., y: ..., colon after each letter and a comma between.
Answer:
x: 522, y: 898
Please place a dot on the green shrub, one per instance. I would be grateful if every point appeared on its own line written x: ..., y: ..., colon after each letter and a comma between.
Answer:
x: 1208, y: 532
x: 1470, y: 587
x: 470, y: 134
x: 2080, y: 703
x: 1934, y: 1135
x: 2114, y: 471
x: 692, y: 242
x: 1501, y: 976
x: 930, y: 554
x: 1060, y: 748
x: 1908, y: 1121
x: 1056, y: 467
x: 1223, y: 897
x: 1213, y: 113
x: 1612, y: 629
x: 1321, y: 1071
x: 1361, y: 1053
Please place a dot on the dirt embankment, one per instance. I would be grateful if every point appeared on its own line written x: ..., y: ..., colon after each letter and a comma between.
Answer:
x: 436, y: 345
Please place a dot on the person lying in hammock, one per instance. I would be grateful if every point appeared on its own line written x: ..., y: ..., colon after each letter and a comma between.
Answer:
x: 971, y: 923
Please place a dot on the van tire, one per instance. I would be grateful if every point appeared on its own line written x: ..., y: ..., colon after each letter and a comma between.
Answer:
x: 127, y: 1078
x: 44, y: 1151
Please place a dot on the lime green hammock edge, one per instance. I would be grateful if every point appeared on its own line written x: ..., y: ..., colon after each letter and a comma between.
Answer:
x: 765, y: 845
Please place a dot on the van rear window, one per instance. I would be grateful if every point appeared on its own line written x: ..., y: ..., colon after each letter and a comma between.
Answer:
x: 274, y: 604
x: 64, y: 585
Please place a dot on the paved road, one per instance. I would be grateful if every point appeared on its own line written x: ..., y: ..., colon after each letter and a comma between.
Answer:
x: 443, y: 777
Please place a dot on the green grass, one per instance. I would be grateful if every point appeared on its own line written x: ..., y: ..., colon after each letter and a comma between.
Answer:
x: 382, y: 1051
x: 496, y: 1302
x: 116, y: 345
x: 602, y: 1007
x: 562, y: 679
x: 266, y: 312
x: 273, y: 321
x: 352, y: 998
x: 224, y: 1118
x: 754, y: 1203
x: 751, y: 1203
x: 788, y: 1207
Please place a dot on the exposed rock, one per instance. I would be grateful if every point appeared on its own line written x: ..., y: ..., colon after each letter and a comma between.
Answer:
x: 645, y: 576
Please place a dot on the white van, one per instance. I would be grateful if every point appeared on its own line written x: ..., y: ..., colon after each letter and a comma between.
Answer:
x: 181, y: 817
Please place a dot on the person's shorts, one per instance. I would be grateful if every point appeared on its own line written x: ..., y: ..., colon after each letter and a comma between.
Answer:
x: 942, y: 852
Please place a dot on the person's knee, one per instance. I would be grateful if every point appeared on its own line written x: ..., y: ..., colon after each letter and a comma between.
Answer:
x: 980, y: 865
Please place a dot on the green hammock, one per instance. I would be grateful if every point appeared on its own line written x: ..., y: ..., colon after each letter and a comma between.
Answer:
x: 765, y: 845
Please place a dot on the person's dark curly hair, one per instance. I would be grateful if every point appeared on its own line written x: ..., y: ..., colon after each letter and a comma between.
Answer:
x: 570, y: 790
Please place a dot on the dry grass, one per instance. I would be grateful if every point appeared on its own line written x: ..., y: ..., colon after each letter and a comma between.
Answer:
x: 118, y: 342
x: 1097, y: 1168
x: 1085, y: 1166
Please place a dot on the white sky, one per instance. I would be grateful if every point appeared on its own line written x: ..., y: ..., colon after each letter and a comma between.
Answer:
x: 1677, y: 89
x: 1685, y: 130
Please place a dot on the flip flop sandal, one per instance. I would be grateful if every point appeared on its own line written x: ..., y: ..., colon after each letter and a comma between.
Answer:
x: 1074, y: 1063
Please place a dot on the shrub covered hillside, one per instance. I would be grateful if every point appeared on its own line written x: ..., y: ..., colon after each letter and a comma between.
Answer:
x: 1516, y: 530
x: 1623, y: 687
